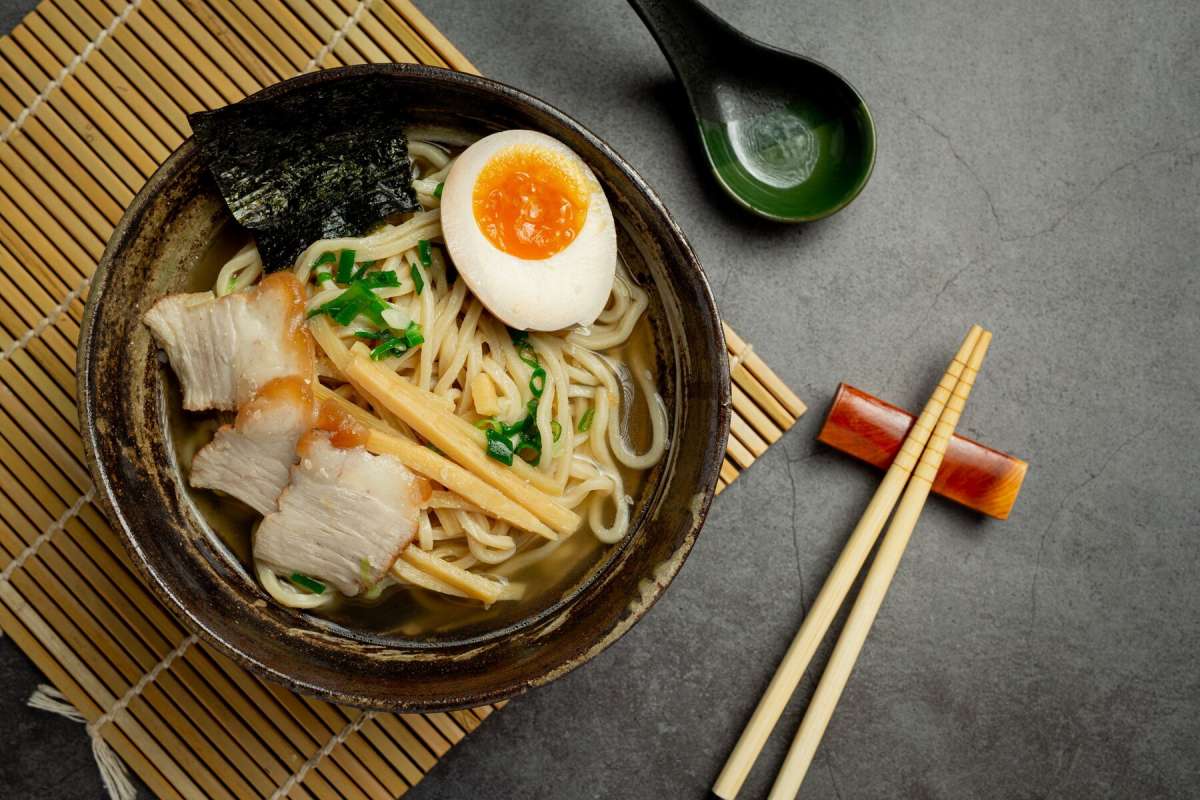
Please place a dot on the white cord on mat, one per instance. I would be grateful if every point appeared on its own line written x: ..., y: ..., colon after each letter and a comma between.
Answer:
x: 342, y: 32
x: 65, y: 72
x: 45, y: 535
x: 342, y: 735
x: 45, y: 322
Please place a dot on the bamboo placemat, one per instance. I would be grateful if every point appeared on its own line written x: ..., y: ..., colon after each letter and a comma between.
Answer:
x: 94, y: 95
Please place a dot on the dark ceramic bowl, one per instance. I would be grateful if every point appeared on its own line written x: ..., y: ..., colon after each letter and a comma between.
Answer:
x: 127, y: 397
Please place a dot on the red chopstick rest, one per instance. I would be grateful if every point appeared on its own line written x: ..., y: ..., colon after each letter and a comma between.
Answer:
x: 872, y: 430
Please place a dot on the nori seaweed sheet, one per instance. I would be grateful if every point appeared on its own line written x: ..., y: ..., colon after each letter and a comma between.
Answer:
x: 321, y: 163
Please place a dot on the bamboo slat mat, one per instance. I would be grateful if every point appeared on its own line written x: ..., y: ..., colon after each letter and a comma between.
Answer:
x: 93, y: 95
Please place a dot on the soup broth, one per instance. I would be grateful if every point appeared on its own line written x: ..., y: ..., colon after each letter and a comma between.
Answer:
x: 406, y: 611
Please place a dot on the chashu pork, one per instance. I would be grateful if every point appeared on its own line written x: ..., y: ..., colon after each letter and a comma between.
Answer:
x: 252, y: 459
x: 225, y: 349
x: 345, y: 516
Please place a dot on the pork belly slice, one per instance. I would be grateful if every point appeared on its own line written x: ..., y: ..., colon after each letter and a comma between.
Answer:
x: 344, y: 518
x: 225, y: 349
x: 252, y: 459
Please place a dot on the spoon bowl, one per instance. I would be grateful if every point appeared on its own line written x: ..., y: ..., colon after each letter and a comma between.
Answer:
x: 787, y: 137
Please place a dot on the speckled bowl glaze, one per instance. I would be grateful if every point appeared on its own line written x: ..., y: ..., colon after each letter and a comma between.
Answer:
x: 125, y: 394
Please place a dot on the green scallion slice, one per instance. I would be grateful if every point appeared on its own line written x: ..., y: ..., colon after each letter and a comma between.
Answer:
x: 499, y: 447
x: 418, y: 281
x: 585, y: 422
x: 424, y: 252
x: 324, y: 276
x: 358, y: 299
x: 537, y: 382
x: 345, y: 269
x: 305, y: 582
x: 437, y: 191
x: 527, y: 354
x: 556, y: 429
x: 325, y: 258
x: 413, y: 335
x: 380, y: 280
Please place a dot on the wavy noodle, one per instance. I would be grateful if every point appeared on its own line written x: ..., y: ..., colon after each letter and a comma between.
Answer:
x: 462, y: 341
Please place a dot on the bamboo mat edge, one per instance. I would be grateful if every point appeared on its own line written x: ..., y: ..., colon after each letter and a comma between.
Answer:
x: 92, y: 97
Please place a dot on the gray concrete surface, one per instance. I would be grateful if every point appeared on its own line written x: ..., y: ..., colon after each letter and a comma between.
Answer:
x: 1039, y: 171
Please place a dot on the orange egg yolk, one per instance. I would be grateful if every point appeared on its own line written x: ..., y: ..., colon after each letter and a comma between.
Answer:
x: 530, y: 203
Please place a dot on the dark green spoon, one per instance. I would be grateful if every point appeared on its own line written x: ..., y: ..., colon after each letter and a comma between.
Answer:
x: 786, y: 136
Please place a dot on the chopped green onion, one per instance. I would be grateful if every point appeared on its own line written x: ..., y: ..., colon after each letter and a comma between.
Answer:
x: 437, y: 191
x: 305, y: 582
x: 324, y: 276
x: 499, y: 447
x: 418, y: 281
x: 232, y: 283
x: 324, y: 258
x: 382, y: 351
x: 528, y: 444
x: 518, y: 337
x: 585, y: 422
x: 537, y: 382
x: 380, y: 280
x: 358, y: 299
x: 389, y: 344
x: 424, y: 252
x: 526, y: 353
x: 345, y: 269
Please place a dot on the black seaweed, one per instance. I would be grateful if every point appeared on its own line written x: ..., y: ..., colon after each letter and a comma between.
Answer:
x: 326, y: 162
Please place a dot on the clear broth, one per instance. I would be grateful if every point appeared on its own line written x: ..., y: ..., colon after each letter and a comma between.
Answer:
x: 407, y: 612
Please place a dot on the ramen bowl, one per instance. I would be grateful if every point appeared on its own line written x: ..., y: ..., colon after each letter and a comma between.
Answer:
x: 128, y: 399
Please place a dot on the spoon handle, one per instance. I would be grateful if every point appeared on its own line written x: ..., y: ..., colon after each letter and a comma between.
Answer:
x: 687, y: 33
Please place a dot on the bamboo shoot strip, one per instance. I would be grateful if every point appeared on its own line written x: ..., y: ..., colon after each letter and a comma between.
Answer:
x: 340, y: 355
x: 380, y: 439
x: 432, y: 422
x: 875, y: 586
x: 837, y: 585
x: 469, y: 583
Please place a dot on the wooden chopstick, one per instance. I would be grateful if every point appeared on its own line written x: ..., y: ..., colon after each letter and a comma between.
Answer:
x: 875, y: 586
x: 841, y: 577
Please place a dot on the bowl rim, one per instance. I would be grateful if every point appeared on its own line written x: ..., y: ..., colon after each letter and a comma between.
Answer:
x: 191, y: 618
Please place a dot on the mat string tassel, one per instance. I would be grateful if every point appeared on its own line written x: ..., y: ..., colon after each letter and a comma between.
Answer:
x: 113, y: 772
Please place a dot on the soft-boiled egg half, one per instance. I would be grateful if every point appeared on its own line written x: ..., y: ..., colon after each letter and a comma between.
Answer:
x: 530, y: 231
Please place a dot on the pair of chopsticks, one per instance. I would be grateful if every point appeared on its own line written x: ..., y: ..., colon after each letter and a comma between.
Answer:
x: 912, y: 472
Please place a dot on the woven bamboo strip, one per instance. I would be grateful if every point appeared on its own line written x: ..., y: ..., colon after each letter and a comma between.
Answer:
x: 111, y: 62
x: 124, y: 661
x: 432, y: 36
x: 112, y: 144
x: 35, y: 35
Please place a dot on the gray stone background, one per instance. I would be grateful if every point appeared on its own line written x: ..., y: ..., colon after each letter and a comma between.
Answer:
x: 1039, y: 172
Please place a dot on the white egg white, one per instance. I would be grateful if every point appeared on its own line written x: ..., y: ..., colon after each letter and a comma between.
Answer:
x: 570, y: 287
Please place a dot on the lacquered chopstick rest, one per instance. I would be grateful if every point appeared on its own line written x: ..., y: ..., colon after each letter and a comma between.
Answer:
x: 872, y: 430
